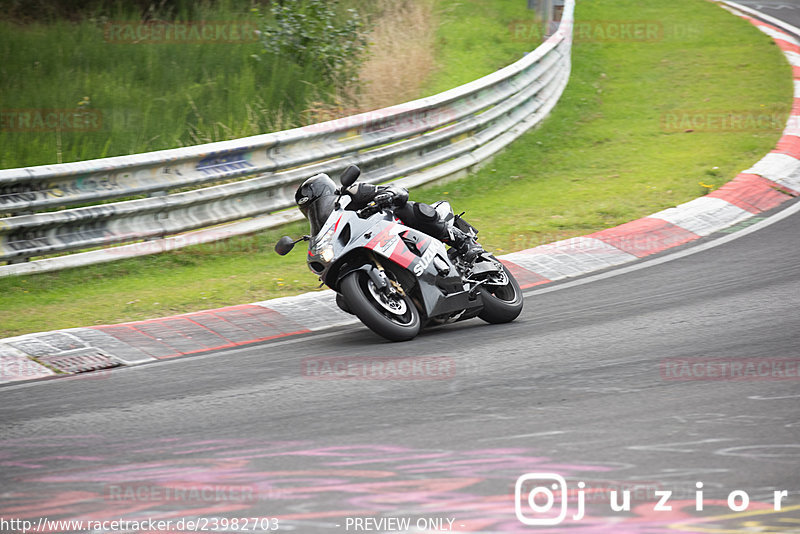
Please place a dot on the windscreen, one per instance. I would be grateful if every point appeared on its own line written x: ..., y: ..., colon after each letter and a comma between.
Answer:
x: 318, y: 212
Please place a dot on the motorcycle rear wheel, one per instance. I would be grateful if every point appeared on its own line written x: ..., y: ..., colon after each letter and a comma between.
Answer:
x: 396, y: 318
x: 501, y: 304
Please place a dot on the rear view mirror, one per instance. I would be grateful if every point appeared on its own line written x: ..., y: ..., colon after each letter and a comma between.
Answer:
x: 284, y: 245
x: 349, y: 176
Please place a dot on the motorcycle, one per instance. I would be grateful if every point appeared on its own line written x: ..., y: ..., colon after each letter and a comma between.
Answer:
x: 396, y: 279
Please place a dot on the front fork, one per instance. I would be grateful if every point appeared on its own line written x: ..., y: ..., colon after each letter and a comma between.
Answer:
x: 377, y: 274
x: 387, y: 284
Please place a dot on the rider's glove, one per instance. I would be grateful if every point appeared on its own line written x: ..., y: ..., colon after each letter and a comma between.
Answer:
x: 384, y: 199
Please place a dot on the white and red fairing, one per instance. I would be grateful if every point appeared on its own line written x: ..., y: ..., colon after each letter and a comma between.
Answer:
x: 388, y: 243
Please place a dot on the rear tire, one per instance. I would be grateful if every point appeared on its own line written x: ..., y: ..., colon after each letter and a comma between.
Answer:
x: 501, y: 304
x: 396, y: 319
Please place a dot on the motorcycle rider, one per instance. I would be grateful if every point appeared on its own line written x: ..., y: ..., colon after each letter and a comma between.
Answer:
x: 321, y: 190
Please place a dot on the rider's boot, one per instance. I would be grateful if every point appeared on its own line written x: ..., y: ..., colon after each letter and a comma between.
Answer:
x: 465, y: 244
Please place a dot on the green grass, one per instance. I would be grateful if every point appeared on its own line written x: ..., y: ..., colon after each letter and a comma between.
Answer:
x: 600, y: 159
x: 150, y: 96
x: 475, y: 38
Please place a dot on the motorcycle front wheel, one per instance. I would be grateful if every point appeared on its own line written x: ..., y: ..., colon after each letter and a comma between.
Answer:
x: 392, y: 316
x: 502, y: 302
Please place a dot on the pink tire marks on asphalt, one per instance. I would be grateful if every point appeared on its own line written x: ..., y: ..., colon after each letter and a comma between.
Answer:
x: 305, y: 484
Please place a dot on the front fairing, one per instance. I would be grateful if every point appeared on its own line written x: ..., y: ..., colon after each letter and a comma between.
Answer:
x: 324, y: 245
x: 344, y: 231
x: 336, y: 236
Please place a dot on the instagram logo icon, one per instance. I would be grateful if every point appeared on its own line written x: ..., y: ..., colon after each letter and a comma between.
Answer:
x: 535, y: 496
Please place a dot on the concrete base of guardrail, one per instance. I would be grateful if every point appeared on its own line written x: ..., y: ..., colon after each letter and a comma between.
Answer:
x: 768, y: 184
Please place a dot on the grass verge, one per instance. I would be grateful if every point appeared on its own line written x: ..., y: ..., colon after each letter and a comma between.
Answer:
x: 147, y: 85
x: 603, y: 157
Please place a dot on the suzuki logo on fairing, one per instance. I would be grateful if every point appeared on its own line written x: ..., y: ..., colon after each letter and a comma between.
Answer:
x: 425, y: 260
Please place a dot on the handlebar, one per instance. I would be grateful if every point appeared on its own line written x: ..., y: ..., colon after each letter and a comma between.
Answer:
x: 379, y: 203
x: 369, y: 210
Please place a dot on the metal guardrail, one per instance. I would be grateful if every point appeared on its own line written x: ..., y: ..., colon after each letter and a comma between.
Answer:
x: 424, y: 140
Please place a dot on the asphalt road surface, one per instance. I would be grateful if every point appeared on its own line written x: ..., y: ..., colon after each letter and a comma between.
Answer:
x: 585, y: 385
x: 786, y: 10
x: 591, y: 383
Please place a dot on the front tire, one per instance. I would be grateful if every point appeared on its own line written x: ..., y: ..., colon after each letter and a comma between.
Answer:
x: 501, y: 303
x: 396, y: 318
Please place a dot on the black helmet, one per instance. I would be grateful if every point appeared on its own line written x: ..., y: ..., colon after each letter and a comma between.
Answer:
x: 316, y: 198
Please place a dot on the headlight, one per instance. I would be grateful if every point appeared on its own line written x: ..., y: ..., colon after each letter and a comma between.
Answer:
x: 324, y: 246
x: 327, y: 254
